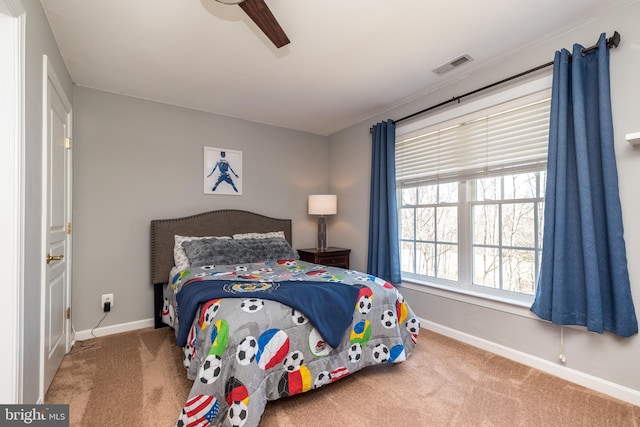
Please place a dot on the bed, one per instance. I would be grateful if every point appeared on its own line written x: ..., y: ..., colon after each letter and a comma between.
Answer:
x: 255, y: 323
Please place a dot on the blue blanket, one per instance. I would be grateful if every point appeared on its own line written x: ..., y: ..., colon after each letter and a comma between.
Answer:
x: 329, y: 306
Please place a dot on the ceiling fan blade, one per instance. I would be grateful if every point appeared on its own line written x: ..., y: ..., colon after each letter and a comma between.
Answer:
x: 259, y: 13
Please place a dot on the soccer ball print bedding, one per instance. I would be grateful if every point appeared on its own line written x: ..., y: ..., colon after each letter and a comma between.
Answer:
x: 243, y: 352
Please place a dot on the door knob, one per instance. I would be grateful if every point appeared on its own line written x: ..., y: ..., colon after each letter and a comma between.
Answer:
x: 54, y: 258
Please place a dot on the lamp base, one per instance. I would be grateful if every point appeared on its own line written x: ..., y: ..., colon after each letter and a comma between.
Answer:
x: 322, y: 233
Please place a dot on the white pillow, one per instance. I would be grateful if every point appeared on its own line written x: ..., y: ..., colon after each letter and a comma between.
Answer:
x: 179, y: 256
x: 268, y: 235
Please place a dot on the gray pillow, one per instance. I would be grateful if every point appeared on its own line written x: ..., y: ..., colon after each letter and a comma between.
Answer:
x: 268, y: 249
x: 217, y: 251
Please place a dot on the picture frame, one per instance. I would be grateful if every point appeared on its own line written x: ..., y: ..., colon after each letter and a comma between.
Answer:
x: 222, y: 171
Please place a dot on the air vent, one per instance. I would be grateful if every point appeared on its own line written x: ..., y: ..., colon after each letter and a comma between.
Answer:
x: 453, y: 64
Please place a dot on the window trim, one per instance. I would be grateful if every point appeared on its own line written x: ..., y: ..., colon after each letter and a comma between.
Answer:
x: 464, y: 289
x: 507, y: 305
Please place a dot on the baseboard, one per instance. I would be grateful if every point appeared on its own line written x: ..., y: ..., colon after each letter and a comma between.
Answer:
x: 594, y: 383
x: 113, y: 329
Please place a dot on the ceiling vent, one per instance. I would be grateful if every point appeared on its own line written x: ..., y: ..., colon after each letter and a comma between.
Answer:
x: 461, y: 60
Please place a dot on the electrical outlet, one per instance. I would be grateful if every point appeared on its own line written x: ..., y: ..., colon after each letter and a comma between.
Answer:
x: 107, y: 298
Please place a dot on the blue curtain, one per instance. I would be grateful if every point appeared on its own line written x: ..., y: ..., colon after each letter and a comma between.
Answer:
x: 384, y: 255
x: 583, y: 275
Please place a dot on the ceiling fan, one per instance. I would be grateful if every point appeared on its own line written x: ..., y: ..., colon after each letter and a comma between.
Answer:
x: 259, y: 13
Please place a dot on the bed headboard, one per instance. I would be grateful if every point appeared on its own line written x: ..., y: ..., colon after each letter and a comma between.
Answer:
x: 224, y: 222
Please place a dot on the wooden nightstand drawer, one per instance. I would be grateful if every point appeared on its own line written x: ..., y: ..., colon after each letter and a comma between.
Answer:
x: 331, y: 257
x: 334, y: 261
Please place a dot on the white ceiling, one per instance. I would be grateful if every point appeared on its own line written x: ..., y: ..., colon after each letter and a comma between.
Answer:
x: 348, y: 60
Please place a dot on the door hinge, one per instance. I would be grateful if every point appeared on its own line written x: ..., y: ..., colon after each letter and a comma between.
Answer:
x: 68, y: 228
x: 67, y: 142
x: 68, y: 315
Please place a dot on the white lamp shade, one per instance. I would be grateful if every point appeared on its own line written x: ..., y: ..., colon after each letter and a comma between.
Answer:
x: 323, y: 204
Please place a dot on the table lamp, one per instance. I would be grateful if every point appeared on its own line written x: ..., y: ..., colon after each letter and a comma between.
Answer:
x: 323, y: 204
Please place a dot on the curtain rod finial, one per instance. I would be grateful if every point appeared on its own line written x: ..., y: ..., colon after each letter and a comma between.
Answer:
x: 614, y: 40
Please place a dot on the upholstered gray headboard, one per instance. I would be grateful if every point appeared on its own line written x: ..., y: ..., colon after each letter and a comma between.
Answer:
x: 215, y: 223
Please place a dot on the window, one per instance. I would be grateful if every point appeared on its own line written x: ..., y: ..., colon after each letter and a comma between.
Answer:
x: 471, y: 196
x: 429, y: 230
x: 506, y: 221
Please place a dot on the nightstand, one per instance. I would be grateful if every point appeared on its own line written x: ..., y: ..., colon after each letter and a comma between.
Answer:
x: 331, y: 257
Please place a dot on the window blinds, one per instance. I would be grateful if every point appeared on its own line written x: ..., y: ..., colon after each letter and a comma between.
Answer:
x: 508, y: 138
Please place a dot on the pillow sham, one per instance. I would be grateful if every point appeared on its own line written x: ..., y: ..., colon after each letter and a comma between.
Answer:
x: 217, y: 251
x: 269, y: 235
x: 179, y: 256
x: 269, y: 249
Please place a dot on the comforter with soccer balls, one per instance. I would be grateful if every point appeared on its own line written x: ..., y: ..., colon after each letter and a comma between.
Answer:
x: 244, y: 347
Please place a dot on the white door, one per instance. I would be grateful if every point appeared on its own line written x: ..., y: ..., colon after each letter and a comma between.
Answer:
x: 57, y: 227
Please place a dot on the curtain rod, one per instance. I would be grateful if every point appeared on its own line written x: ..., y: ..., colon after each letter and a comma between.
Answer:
x: 612, y: 42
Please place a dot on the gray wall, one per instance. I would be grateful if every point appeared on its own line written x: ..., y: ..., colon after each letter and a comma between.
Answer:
x: 604, y: 356
x: 40, y: 42
x: 137, y: 160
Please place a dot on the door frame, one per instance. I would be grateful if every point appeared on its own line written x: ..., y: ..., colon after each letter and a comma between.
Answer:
x: 48, y: 74
x: 12, y: 153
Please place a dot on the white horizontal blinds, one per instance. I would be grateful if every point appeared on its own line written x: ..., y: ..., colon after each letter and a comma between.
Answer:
x: 509, y: 137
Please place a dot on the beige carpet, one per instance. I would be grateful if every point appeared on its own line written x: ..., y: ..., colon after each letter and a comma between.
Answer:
x: 137, y: 379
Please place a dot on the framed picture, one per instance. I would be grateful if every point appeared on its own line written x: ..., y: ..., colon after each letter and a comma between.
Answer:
x: 222, y: 171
